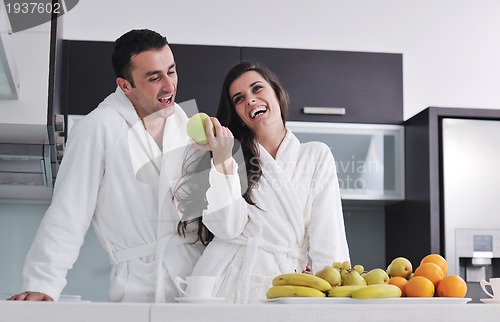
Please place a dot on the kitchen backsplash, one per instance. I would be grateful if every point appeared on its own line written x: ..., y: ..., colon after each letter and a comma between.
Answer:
x: 89, y: 276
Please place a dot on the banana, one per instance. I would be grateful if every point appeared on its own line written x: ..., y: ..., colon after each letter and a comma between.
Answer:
x: 302, y: 279
x: 377, y: 291
x: 293, y: 291
x: 344, y: 291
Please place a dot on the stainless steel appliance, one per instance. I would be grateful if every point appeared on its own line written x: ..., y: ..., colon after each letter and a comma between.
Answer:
x: 471, y: 191
x: 477, y: 257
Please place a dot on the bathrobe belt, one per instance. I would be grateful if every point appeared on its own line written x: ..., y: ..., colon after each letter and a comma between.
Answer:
x: 252, y: 245
x: 156, y: 248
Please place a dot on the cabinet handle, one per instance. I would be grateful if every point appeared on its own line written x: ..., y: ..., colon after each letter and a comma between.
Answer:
x: 324, y: 110
x: 59, y: 123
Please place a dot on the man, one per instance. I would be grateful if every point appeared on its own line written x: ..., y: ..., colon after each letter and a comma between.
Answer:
x: 116, y: 174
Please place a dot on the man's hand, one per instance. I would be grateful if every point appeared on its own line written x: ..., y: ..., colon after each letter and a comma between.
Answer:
x: 308, y: 269
x: 31, y: 296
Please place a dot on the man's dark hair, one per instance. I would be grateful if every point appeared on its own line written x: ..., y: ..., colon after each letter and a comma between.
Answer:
x: 133, y: 43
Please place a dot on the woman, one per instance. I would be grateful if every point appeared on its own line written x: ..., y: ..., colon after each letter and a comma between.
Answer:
x: 285, y: 207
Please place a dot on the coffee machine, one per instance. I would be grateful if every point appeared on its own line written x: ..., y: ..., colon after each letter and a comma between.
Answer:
x: 478, y: 257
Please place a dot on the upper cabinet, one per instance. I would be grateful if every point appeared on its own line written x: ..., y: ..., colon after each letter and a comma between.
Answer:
x: 367, y: 86
x: 358, y: 87
x: 88, y: 75
x: 201, y: 72
x: 369, y: 158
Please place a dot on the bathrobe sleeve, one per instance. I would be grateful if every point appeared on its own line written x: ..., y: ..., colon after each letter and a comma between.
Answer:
x: 227, y: 211
x: 325, y: 228
x: 62, y: 230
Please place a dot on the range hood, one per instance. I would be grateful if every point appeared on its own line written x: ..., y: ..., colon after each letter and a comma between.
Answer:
x: 25, y: 164
x: 29, y: 154
x: 31, y: 120
x: 29, y: 159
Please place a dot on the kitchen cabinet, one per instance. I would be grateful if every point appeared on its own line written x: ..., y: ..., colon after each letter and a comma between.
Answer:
x: 89, y: 76
x: 415, y: 226
x: 369, y: 158
x: 28, y: 126
x: 369, y: 86
x: 370, y: 168
x: 201, y: 72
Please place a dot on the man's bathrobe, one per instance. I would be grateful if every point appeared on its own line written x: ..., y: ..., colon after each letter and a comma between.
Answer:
x: 298, y: 213
x: 114, y: 176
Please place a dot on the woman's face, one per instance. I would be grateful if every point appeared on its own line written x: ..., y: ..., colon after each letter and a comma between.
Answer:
x: 255, y: 102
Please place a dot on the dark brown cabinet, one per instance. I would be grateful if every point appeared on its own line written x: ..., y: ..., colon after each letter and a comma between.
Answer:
x: 368, y: 85
x: 201, y: 72
x: 88, y: 75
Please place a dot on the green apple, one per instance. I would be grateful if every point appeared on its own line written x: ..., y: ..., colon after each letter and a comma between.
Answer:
x: 196, y: 128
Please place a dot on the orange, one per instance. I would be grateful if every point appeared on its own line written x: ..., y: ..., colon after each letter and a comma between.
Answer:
x: 438, y: 260
x: 431, y: 271
x: 419, y: 286
x: 399, y: 282
x: 452, y: 286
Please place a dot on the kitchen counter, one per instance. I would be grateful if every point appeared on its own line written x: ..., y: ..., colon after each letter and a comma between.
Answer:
x: 124, y: 312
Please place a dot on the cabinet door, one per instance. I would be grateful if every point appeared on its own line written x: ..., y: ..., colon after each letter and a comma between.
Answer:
x: 201, y: 72
x: 368, y: 85
x: 369, y: 158
x: 88, y: 75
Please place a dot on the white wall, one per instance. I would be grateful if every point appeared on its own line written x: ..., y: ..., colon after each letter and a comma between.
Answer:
x: 450, y: 48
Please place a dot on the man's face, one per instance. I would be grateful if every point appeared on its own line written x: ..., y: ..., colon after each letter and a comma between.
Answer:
x: 155, y: 79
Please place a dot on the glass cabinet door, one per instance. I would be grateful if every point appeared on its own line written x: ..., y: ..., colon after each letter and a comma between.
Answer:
x: 369, y: 157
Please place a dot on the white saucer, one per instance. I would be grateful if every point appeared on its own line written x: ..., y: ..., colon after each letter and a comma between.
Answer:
x: 490, y: 301
x: 200, y: 300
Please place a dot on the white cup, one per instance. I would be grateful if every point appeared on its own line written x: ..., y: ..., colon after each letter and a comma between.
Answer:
x: 494, y: 283
x: 196, y: 286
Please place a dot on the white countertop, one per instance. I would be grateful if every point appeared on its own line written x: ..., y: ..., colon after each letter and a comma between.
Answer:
x: 137, y: 312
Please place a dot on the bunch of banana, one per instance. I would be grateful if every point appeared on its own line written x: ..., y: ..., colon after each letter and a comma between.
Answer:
x: 302, y: 279
x: 344, y: 291
x: 377, y: 291
x: 298, y: 285
x: 293, y: 291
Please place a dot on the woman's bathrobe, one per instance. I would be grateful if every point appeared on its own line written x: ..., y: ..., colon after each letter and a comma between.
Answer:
x: 115, y: 177
x: 300, y: 215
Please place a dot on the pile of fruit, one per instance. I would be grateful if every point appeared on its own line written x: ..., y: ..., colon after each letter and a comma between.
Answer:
x: 342, y: 280
x: 428, y: 280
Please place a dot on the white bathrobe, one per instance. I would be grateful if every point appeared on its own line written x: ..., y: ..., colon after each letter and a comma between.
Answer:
x: 115, y: 177
x: 300, y: 215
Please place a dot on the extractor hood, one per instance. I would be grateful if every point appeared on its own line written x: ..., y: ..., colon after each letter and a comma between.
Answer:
x: 25, y: 164
x: 32, y: 123
x: 29, y: 161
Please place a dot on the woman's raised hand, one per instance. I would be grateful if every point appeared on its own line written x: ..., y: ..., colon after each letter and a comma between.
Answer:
x: 221, y: 144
